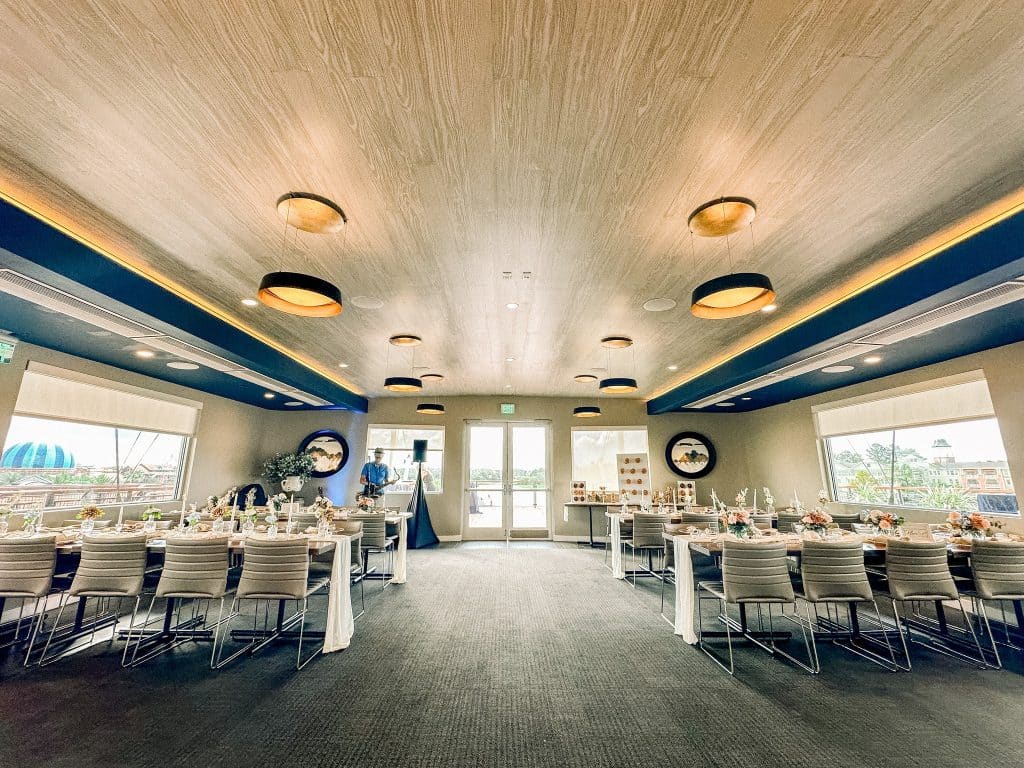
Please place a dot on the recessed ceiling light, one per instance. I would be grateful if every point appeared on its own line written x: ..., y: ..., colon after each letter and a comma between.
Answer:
x: 183, y: 365
x: 100, y: 333
x: 366, y: 302
x: 744, y: 398
x: 508, y: 386
x: 511, y: 305
x: 405, y: 340
x: 873, y: 359
x: 584, y: 378
x: 725, y: 405
x: 616, y: 342
x: 769, y: 308
x: 673, y: 367
x: 343, y: 365
x: 269, y: 395
x: 659, y: 305
x: 510, y: 359
x: 837, y: 369
x: 293, y: 403
x: 145, y: 353
x: 250, y: 302
x: 432, y: 377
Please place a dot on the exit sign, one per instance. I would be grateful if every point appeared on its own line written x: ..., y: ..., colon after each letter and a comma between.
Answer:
x: 508, y: 409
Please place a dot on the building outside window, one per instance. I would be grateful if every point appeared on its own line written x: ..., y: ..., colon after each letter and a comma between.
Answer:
x: 926, y: 456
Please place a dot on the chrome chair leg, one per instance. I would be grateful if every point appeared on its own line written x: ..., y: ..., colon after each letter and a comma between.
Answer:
x: 56, y: 623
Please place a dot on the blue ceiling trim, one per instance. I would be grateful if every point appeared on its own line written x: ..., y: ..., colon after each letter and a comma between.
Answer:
x: 31, y: 246
x: 986, y: 259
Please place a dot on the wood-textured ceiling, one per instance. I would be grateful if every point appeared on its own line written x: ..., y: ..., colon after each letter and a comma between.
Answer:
x: 465, y: 139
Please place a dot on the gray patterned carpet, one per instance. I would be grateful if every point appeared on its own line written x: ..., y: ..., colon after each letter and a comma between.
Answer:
x: 529, y: 656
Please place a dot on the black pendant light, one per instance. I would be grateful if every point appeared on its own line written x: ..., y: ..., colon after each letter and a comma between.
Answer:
x: 618, y: 385
x: 299, y: 294
x: 586, y: 411
x: 294, y: 292
x: 737, y: 293
x: 403, y: 384
x: 430, y: 409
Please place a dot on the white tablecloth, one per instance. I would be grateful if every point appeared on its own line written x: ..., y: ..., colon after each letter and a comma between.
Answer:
x: 684, y: 589
x: 398, y: 577
x: 618, y: 571
x: 340, y: 622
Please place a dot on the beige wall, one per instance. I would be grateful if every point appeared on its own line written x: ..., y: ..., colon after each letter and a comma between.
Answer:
x: 226, y: 442
x: 784, y: 448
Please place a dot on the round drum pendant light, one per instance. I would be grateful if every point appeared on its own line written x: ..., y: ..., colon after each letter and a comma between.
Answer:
x: 723, y: 216
x: 586, y: 411
x: 732, y: 295
x: 430, y: 409
x: 311, y: 213
x: 403, y: 384
x: 299, y: 294
x: 584, y: 378
x: 405, y: 340
x: 618, y: 386
x: 616, y: 342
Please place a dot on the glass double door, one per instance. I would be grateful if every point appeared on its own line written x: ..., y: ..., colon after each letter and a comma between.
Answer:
x: 507, y: 480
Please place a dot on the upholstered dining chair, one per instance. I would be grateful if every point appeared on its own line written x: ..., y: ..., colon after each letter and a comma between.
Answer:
x: 375, y: 541
x: 112, y: 567
x: 648, y: 539
x: 833, y: 575
x: 194, y: 569
x: 26, y: 574
x: 918, y: 572
x: 274, y: 570
x: 997, y: 568
x: 754, y: 574
x: 701, y: 520
x: 844, y: 520
x: 788, y: 519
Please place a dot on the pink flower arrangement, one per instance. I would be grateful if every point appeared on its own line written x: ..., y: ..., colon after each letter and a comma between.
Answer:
x: 739, y: 522
x: 816, y: 520
x: 884, y: 522
x: 972, y: 523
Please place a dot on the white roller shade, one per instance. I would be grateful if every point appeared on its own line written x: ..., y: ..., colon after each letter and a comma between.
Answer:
x: 960, y: 398
x: 55, y: 393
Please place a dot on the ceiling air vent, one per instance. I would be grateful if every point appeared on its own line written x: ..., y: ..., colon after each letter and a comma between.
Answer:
x: 305, y: 397
x: 42, y: 295
x: 261, y: 381
x: 954, y: 312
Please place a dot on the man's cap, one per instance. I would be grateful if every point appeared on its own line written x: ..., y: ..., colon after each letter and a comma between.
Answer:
x: 377, y: 451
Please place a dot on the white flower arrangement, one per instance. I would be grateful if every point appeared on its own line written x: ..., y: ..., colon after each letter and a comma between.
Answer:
x: 741, y: 498
x: 768, y: 498
x: 277, y: 501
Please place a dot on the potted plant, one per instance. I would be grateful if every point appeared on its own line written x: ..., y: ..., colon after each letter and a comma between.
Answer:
x: 289, y: 469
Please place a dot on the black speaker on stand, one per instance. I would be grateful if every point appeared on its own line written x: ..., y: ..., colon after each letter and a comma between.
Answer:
x: 421, y: 531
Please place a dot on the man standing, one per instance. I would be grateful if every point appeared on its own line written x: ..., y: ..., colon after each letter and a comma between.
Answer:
x: 374, y: 476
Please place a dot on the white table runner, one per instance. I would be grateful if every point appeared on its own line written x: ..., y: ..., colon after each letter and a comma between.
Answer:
x: 340, y: 622
x: 398, y: 577
x: 684, y: 589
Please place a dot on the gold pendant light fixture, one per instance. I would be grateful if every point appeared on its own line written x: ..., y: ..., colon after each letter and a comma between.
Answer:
x: 737, y: 293
x: 402, y: 383
x: 294, y: 292
x: 618, y: 385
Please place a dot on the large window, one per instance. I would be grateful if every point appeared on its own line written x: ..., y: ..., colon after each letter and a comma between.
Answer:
x: 76, y: 440
x: 594, y: 453
x: 397, y: 444
x: 934, y: 448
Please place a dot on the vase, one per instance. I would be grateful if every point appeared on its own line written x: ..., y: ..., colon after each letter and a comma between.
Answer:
x: 248, y: 527
x: 291, y: 484
x: 88, y: 525
x: 149, y: 526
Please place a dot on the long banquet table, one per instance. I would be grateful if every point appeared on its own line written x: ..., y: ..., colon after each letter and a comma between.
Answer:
x: 686, y: 544
x: 340, y: 617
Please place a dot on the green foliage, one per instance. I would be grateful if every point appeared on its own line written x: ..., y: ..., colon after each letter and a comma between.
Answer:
x: 284, y: 465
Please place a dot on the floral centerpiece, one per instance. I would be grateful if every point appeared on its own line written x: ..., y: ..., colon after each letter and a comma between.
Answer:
x: 769, y: 500
x: 250, y: 498
x: 277, y: 501
x: 739, y: 523
x: 885, y: 523
x: 365, y: 503
x: 218, y: 511
x: 284, y: 465
x: 817, y: 521
x: 31, y: 518
x: 152, y: 513
x: 972, y: 524
x: 741, y: 498
x: 90, y: 512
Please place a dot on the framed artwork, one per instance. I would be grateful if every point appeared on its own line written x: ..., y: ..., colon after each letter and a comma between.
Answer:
x: 328, y: 450
x: 690, y: 455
